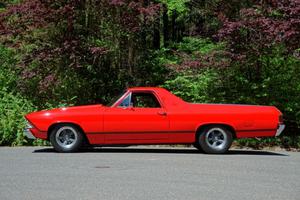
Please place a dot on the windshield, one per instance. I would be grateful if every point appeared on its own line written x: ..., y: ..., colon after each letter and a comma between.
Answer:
x: 115, y: 99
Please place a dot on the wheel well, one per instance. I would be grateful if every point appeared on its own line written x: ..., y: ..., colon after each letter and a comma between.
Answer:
x: 66, y: 123
x: 230, y: 128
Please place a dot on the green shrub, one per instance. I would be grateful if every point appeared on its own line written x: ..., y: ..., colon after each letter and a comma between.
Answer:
x: 286, y: 142
x: 13, y: 106
x: 12, y: 109
x: 194, y: 88
x: 8, y: 77
x: 195, y: 45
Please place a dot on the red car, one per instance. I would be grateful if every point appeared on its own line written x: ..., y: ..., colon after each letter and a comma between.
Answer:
x: 150, y: 115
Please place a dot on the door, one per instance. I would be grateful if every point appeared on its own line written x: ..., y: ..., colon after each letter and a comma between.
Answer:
x: 138, y: 119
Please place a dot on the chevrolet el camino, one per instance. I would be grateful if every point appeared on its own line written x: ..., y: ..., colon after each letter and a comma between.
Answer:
x: 150, y: 115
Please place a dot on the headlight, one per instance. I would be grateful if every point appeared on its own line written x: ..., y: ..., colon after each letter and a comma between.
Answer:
x: 28, y: 125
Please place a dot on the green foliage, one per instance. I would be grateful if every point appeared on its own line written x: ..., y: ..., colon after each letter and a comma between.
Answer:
x: 198, y: 45
x: 193, y: 53
x: 13, y: 106
x: 196, y: 83
x: 12, y: 110
x: 4, y: 4
x: 176, y: 5
x: 283, y: 142
x: 8, y: 70
x: 197, y: 88
x: 166, y: 57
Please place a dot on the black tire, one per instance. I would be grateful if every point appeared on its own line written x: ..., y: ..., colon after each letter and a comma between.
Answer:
x: 214, y: 139
x: 197, y: 146
x: 66, y: 138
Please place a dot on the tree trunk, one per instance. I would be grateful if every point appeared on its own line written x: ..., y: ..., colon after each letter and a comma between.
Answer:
x: 156, y: 33
x: 165, y: 25
x: 173, y: 28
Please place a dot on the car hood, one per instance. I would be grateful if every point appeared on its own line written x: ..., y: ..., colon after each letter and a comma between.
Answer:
x: 75, y: 114
x: 63, y: 111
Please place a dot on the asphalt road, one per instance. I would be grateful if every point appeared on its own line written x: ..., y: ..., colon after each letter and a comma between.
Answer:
x: 148, y: 173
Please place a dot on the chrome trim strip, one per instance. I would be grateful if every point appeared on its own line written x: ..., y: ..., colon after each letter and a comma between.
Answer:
x: 280, y: 129
x: 256, y: 130
x: 142, y: 132
x: 28, y: 134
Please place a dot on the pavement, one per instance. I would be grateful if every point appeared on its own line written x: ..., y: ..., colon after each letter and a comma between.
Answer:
x: 148, y: 173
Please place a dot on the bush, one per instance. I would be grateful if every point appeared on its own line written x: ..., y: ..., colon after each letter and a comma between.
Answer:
x: 12, y: 109
x: 13, y: 106
x: 194, y: 88
x: 284, y: 142
x: 8, y: 77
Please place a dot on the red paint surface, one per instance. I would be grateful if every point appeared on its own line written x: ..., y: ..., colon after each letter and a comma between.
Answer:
x: 115, y: 125
x: 39, y: 134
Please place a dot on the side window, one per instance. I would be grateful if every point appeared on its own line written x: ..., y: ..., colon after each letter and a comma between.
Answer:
x: 125, y: 102
x: 144, y: 100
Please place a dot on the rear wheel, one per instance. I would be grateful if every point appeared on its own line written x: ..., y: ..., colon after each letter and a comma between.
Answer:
x: 214, y: 139
x: 66, y: 138
x: 197, y: 146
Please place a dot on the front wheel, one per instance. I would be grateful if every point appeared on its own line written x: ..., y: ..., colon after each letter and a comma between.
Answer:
x: 215, y: 139
x: 66, y: 138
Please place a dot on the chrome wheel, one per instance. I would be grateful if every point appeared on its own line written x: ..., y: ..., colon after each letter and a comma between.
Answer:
x: 66, y: 137
x: 216, y: 138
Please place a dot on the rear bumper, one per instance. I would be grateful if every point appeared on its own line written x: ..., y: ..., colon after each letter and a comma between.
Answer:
x: 28, y: 133
x: 279, y: 129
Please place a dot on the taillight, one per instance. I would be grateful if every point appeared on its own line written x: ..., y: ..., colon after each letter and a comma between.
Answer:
x: 281, y: 119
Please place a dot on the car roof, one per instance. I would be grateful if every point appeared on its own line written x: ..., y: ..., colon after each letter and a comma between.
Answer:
x: 167, y: 97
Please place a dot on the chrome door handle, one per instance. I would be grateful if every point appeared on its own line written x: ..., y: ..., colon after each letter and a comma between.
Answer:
x: 162, y: 113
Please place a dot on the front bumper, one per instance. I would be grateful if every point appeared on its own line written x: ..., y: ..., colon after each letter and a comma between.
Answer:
x: 28, y: 133
x: 279, y: 129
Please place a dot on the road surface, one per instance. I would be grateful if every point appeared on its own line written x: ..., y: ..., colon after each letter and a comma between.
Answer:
x: 148, y: 173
